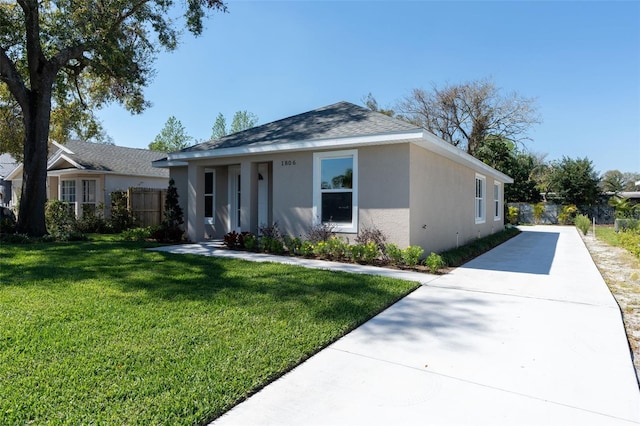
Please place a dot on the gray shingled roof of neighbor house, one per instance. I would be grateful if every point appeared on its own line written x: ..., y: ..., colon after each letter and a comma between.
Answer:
x: 7, y: 164
x: 115, y: 159
x: 342, y: 119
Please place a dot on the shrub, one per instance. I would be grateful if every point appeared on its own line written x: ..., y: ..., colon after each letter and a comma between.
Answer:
x: 320, y: 249
x: 121, y: 217
x: 7, y: 225
x: 566, y: 216
x: 371, y: 252
x: 250, y: 242
x: 270, y: 232
x: 394, y: 253
x: 411, y: 255
x: 356, y: 252
x: 138, y: 234
x: 307, y: 249
x: 61, y: 221
x: 583, y: 223
x: 293, y: 244
x: 372, y: 235
x: 269, y: 244
x: 434, y: 262
x: 93, y: 220
x: 538, y: 210
x: 234, y: 240
x: 512, y: 214
x: 321, y: 232
x: 336, y: 248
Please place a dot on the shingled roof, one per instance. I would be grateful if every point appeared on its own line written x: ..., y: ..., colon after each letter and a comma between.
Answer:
x: 108, y: 158
x: 342, y: 119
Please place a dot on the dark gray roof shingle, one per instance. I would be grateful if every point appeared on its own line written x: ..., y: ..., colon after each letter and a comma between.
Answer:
x: 116, y: 159
x: 342, y: 119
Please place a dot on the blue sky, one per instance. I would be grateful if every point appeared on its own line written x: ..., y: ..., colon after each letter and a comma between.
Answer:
x: 580, y: 60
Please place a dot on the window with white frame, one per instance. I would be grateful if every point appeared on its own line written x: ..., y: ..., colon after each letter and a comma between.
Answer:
x: 68, y: 191
x: 335, y: 189
x: 89, y: 196
x: 497, y: 201
x: 209, y: 196
x: 480, y: 198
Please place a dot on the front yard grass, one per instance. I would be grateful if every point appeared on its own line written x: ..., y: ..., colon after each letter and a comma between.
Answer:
x: 104, y: 332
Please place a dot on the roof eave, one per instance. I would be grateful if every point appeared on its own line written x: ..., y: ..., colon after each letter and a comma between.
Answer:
x: 444, y: 148
x: 383, y: 138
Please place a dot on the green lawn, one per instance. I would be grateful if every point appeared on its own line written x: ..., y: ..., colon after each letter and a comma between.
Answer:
x: 105, y: 332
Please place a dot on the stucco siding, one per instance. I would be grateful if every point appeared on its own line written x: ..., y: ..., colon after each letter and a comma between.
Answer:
x: 292, y: 198
x: 442, y: 203
x: 383, y: 191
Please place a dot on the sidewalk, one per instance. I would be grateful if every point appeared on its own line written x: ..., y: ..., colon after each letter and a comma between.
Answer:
x: 525, y: 334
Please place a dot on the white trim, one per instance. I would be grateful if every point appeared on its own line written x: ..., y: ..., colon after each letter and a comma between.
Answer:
x: 497, y: 209
x: 480, y: 203
x: 232, y: 205
x: 62, y: 156
x: 382, y: 138
x: 210, y: 220
x: 317, y: 192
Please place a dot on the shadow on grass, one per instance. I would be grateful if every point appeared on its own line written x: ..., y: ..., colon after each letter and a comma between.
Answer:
x: 164, y: 276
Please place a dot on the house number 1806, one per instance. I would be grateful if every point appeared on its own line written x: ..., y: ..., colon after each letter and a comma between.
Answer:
x: 288, y: 163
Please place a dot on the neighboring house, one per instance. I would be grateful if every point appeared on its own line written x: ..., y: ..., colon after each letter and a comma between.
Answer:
x: 85, y: 173
x: 342, y: 164
x: 7, y: 165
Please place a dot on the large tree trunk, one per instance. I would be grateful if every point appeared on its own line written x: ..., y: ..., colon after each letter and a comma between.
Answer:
x: 31, y: 217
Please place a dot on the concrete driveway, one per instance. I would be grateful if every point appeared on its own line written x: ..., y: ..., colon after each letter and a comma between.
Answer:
x: 525, y: 334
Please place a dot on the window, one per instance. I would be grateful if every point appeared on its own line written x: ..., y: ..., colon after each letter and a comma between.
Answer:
x: 68, y: 191
x: 480, y: 204
x: 88, y: 197
x: 335, y: 189
x: 209, y: 199
x: 497, y: 201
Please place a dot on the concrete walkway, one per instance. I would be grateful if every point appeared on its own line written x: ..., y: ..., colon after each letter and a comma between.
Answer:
x: 525, y: 334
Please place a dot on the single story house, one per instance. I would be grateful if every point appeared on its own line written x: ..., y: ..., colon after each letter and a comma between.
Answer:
x: 344, y: 165
x: 85, y: 173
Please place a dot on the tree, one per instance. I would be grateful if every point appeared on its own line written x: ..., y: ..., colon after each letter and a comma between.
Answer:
x: 630, y: 179
x: 465, y: 114
x: 68, y: 56
x: 503, y: 155
x: 242, y: 120
x: 219, y: 128
x: 574, y: 181
x: 612, y: 181
x: 370, y: 102
x: 173, y: 137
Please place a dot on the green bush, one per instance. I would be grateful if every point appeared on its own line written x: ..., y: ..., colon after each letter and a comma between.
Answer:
x: 92, y: 220
x: 512, y: 214
x: 434, y: 262
x: 394, y: 253
x: 567, y: 215
x: 337, y: 248
x: 138, y: 234
x: 307, y: 249
x: 250, y: 242
x: 61, y: 221
x: 121, y: 217
x: 538, y: 210
x: 357, y: 252
x: 293, y: 244
x: 583, y: 223
x: 268, y: 244
x: 411, y: 255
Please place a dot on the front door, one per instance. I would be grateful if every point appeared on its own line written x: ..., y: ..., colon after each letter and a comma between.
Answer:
x: 234, y: 198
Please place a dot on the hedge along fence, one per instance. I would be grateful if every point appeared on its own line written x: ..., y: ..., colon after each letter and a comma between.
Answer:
x: 603, y: 214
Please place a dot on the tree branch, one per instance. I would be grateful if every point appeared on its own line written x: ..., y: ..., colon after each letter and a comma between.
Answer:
x: 10, y: 75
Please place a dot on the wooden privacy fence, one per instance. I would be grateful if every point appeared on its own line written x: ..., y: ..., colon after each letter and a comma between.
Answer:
x: 146, y: 205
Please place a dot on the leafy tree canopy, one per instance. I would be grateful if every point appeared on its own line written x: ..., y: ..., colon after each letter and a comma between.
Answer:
x: 574, y: 181
x: 173, y: 137
x: 242, y: 120
x: 61, y: 58
x: 612, y: 181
